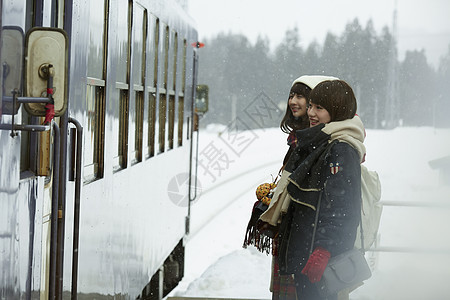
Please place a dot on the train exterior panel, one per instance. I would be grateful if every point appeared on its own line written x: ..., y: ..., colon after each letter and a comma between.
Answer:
x: 130, y: 87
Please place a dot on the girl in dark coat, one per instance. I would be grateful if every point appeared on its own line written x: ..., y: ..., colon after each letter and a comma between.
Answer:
x: 325, y: 164
x: 295, y: 118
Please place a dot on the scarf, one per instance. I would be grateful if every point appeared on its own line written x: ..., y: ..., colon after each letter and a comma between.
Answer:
x: 302, y: 171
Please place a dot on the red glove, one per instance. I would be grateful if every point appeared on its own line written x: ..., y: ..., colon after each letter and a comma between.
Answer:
x: 316, y: 264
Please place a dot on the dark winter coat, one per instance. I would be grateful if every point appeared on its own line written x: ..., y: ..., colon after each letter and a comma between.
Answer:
x: 326, y: 164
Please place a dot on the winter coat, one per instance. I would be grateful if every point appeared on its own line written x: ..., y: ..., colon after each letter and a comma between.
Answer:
x: 326, y: 164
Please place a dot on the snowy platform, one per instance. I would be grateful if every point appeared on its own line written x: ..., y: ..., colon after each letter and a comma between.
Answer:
x: 217, y: 267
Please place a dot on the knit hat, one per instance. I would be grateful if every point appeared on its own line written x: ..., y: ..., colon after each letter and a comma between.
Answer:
x: 299, y: 88
x: 312, y: 80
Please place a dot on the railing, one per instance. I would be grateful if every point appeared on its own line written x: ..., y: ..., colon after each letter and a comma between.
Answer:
x: 417, y: 250
x: 76, y: 213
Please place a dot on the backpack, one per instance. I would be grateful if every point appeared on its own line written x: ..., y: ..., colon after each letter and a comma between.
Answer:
x: 371, y: 208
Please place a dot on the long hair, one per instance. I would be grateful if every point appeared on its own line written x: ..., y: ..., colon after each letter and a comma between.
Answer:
x: 337, y: 97
x: 290, y: 123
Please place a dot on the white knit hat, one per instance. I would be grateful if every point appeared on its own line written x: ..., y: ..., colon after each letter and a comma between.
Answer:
x: 313, y: 80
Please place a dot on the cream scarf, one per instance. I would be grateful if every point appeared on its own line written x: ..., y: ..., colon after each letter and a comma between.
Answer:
x: 350, y: 131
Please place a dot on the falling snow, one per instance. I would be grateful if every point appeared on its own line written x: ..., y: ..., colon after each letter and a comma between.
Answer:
x: 218, y: 266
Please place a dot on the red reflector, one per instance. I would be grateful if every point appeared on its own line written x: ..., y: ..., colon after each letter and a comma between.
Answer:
x: 198, y: 45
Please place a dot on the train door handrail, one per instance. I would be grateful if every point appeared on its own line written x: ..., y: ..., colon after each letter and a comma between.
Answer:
x: 76, y: 212
x: 54, y: 212
x: 190, y: 197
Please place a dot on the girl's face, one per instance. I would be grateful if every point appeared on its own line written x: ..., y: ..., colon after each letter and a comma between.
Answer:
x: 317, y: 115
x: 298, y: 105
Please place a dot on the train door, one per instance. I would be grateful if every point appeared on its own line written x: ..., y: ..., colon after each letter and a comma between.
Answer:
x: 50, y: 162
x: 11, y: 247
x: 42, y: 151
x: 26, y: 186
x: 19, y: 190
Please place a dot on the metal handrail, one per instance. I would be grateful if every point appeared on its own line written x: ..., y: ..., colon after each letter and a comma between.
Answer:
x: 20, y: 127
x: 430, y: 204
x: 444, y: 251
x: 54, y: 212
x: 419, y: 204
x: 76, y: 213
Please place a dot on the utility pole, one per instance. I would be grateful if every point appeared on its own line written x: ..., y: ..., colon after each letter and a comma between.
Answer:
x: 392, y: 101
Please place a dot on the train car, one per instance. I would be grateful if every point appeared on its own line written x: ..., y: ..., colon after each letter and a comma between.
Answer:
x: 96, y: 147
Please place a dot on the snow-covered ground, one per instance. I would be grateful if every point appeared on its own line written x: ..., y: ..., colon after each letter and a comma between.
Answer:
x: 233, y: 164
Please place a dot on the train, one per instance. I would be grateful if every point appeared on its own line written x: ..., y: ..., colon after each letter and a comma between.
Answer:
x: 98, y: 130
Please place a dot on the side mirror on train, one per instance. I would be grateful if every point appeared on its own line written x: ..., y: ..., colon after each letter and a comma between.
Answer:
x: 46, y: 64
x: 11, y: 66
x: 201, y: 99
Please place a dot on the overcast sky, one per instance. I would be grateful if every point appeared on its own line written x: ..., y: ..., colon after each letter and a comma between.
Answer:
x: 421, y: 24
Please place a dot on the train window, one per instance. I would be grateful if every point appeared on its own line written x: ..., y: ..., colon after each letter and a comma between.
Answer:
x: 162, y: 121
x: 171, y: 119
x: 163, y: 91
x: 96, y: 43
x: 138, y: 69
x: 180, y: 118
x: 122, y: 133
x: 165, y: 53
x: 95, y: 92
x: 153, y: 50
x: 151, y: 122
x: 120, y: 98
x: 132, y: 113
x: 152, y: 73
x: 139, y: 100
x: 173, y: 52
x: 139, y: 47
x: 94, y: 116
x: 174, y: 37
x: 181, y: 96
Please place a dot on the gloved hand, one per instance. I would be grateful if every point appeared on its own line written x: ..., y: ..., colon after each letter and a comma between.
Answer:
x: 316, y: 264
